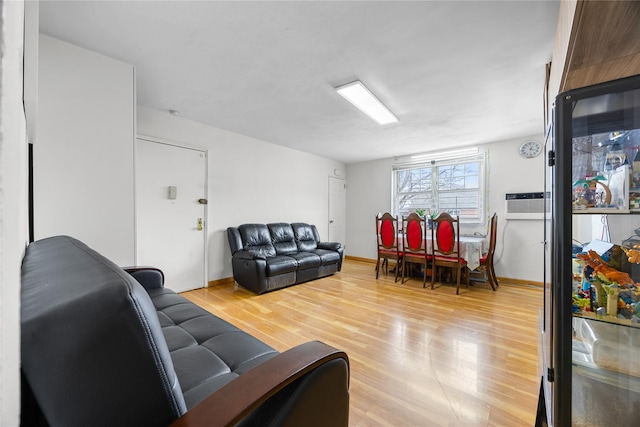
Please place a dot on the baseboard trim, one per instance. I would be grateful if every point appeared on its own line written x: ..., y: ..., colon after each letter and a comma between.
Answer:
x: 520, y: 282
x: 360, y: 259
x: 219, y: 282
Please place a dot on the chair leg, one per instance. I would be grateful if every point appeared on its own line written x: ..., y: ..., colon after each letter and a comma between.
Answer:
x: 490, y: 277
x: 424, y: 276
x: 495, y: 278
x: 433, y: 275
x: 377, y: 268
x: 397, y: 270
x: 404, y: 269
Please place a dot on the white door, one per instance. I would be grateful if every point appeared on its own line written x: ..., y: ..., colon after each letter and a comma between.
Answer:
x: 171, y: 211
x: 337, y: 209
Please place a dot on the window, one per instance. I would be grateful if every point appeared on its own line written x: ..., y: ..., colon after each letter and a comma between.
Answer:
x: 454, y: 185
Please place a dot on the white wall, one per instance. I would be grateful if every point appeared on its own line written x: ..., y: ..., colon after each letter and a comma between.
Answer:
x: 249, y: 181
x: 13, y: 205
x: 519, y: 250
x: 83, y: 157
x: 368, y: 192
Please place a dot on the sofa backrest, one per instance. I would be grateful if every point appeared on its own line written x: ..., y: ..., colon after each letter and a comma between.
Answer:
x: 268, y: 240
x: 93, y: 352
x: 256, y: 239
x: 307, y: 236
x: 283, y: 238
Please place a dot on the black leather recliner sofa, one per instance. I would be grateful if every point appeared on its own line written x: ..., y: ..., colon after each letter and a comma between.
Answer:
x: 266, y: 257
x: 104, y: 346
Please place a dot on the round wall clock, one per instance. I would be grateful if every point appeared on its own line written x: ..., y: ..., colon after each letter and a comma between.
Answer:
x: 530, y: 149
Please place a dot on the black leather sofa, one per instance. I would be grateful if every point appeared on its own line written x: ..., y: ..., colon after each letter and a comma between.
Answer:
x: 102, y: 346
x: 266, y: 257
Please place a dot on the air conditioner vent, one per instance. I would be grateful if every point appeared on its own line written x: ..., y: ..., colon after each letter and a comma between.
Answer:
x: 525, y: 205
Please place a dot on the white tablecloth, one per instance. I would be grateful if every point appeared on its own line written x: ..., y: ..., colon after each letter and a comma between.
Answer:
x: 472, y: 248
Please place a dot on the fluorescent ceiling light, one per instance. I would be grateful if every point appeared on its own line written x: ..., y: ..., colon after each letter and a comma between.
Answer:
x: 357, y: 94
x: 447, y: 154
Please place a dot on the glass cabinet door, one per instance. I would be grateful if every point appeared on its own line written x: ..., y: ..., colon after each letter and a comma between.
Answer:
x: 596, y: 256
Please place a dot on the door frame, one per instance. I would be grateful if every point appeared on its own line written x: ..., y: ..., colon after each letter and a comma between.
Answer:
x: 153, y: 139
x: 344, y: 212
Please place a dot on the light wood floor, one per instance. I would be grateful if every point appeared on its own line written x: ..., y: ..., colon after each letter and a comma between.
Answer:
x: 418, y: 357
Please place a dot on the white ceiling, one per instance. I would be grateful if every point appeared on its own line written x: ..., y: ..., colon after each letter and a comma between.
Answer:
x: 455, y: 72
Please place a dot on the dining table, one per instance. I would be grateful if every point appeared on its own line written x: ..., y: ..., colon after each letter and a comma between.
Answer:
x: 471, y: 248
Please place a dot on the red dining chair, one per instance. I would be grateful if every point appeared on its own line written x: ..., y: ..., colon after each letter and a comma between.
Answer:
x: 486, y: 261
x: 387, y: 236
x: 414, y: 248
x: 445, y: 244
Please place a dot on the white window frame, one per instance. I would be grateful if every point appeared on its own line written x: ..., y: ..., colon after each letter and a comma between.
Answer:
x: 433, y: 162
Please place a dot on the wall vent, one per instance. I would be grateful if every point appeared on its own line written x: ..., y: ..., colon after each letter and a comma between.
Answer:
x: 525, y: 205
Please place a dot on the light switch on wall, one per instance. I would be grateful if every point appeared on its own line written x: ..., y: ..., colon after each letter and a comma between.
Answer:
x: 172, y: 192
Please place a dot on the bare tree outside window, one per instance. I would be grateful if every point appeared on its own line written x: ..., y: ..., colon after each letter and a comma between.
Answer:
x: 414, y: 190
x: 451, y: 187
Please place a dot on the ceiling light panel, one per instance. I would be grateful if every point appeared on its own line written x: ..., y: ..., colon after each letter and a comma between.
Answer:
x: 363, y: 99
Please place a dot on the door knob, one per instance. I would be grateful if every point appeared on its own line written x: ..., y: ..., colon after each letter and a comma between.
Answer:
x: 200, y: 224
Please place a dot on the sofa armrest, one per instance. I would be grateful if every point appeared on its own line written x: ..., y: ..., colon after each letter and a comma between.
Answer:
x: 149, y: 277
x: 237, y: 399
x: 332, y: 246
x: 250, y: 255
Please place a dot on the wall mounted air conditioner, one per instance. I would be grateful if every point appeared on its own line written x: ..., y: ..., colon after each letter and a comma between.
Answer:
x: 525, y: 205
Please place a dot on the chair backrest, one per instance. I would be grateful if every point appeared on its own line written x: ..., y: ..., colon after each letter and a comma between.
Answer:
x: 493, y: 235
x: 387, y: 229
x: 414, y: 233
x: 446, y: 235
x: 93, y: 348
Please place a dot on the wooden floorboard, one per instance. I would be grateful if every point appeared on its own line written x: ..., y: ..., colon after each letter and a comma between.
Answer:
x: 419, y: 357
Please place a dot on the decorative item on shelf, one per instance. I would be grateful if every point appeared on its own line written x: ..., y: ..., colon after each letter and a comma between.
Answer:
x: 615, y: 158
x: 610, y: 288
x: 613, y: 292
x: 636, y: 162
x: 618, y: 182
x: 586, y: 192
x: 633, y: 252
x: 634, y: 191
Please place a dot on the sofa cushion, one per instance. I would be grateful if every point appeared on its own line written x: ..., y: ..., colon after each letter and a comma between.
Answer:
x: 306, y: 260
x: 207, y: 352
x: 283, y: 238
x: 306, y: 236
x: 281, y: 264
x: 327, y: 256
x: 257, y: 239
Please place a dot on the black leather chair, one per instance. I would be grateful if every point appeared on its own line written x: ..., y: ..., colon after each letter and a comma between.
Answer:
x: 102, y: 346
